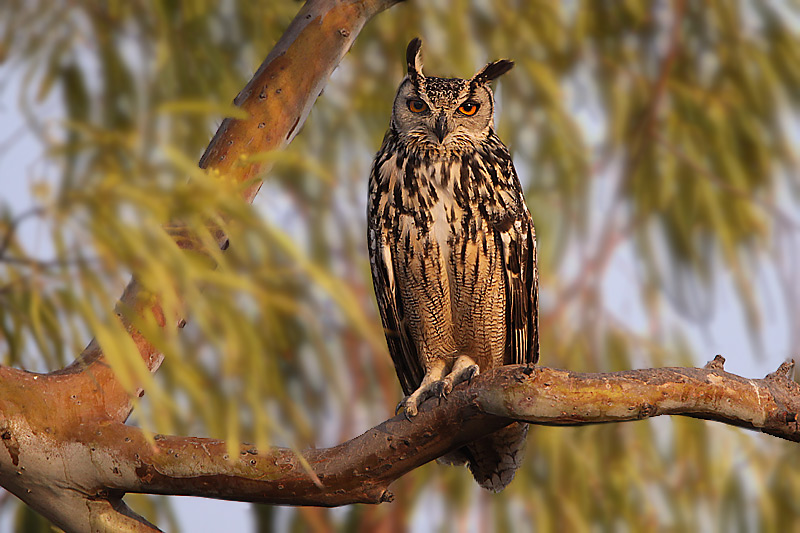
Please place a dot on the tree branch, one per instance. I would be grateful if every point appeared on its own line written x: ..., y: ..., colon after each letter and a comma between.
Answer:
x: 361, y: 469
x: 559, y: 397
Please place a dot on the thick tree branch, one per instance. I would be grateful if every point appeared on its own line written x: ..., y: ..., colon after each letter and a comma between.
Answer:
x: 361, y: 470
x: 559, y: 397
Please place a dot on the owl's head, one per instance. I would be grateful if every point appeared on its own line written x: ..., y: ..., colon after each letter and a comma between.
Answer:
x: 444, y: 113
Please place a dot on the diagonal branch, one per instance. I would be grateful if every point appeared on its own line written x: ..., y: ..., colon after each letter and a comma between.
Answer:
x: 41, y: 415
x: 277, y: 99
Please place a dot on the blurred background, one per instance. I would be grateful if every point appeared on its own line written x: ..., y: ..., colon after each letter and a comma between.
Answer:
x: 657, y: 143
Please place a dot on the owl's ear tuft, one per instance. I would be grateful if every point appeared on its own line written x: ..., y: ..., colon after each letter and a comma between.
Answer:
x: 414, y: 60
x: 492, y: 71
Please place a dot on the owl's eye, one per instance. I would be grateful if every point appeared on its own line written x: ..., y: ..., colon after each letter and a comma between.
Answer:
x: 468, y: 108
x: 415, y: 105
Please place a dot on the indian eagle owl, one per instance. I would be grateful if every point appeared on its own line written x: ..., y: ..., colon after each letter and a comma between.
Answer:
x: 453, y: 250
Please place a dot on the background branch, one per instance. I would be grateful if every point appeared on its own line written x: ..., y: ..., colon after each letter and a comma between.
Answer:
x: 40, y: 413
x: 277, y: 101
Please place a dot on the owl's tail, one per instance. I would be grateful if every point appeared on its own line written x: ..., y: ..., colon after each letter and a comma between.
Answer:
x: 494, y: 459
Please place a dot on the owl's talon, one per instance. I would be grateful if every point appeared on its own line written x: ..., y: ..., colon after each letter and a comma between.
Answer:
x: 472, y: 371
x: 441, y: 390
x: 407, y: 405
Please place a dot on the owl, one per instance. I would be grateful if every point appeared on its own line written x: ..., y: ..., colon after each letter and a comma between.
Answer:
x: 453, y: 250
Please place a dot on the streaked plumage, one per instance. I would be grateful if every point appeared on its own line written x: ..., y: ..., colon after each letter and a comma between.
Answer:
x: 453, y: 250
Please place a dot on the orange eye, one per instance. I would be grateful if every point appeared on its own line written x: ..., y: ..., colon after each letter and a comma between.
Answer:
x: 468, y: 108
x: 415, y: 105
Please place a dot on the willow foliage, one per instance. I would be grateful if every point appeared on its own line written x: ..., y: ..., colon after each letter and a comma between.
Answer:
x: 666, y: 130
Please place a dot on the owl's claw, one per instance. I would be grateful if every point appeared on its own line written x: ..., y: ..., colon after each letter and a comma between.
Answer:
x: 406, y: 412
x: 410, y: 404
x: 441, y: 390
x: 409, y: 407
x: 472, y: 372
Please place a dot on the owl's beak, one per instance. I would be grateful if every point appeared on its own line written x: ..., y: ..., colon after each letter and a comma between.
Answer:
x: 440, y: 128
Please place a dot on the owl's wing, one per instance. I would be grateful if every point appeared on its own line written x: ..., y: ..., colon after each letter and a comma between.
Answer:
x: 518, y: 242
x: 402, y: 349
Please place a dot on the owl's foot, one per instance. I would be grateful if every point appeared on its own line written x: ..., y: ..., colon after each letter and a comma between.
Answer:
x: 410, y: 404
x: 435, y: 386
x: 428, y: 388
x: 463, y: 370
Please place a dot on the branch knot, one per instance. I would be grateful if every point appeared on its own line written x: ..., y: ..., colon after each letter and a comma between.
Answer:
x: 785, y: 371
x: 717, y: 363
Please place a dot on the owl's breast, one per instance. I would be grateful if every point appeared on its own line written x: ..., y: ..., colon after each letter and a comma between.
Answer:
x: 425, y: 191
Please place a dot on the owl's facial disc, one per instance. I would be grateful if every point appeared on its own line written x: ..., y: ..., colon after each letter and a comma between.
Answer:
x: 442, y: 113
